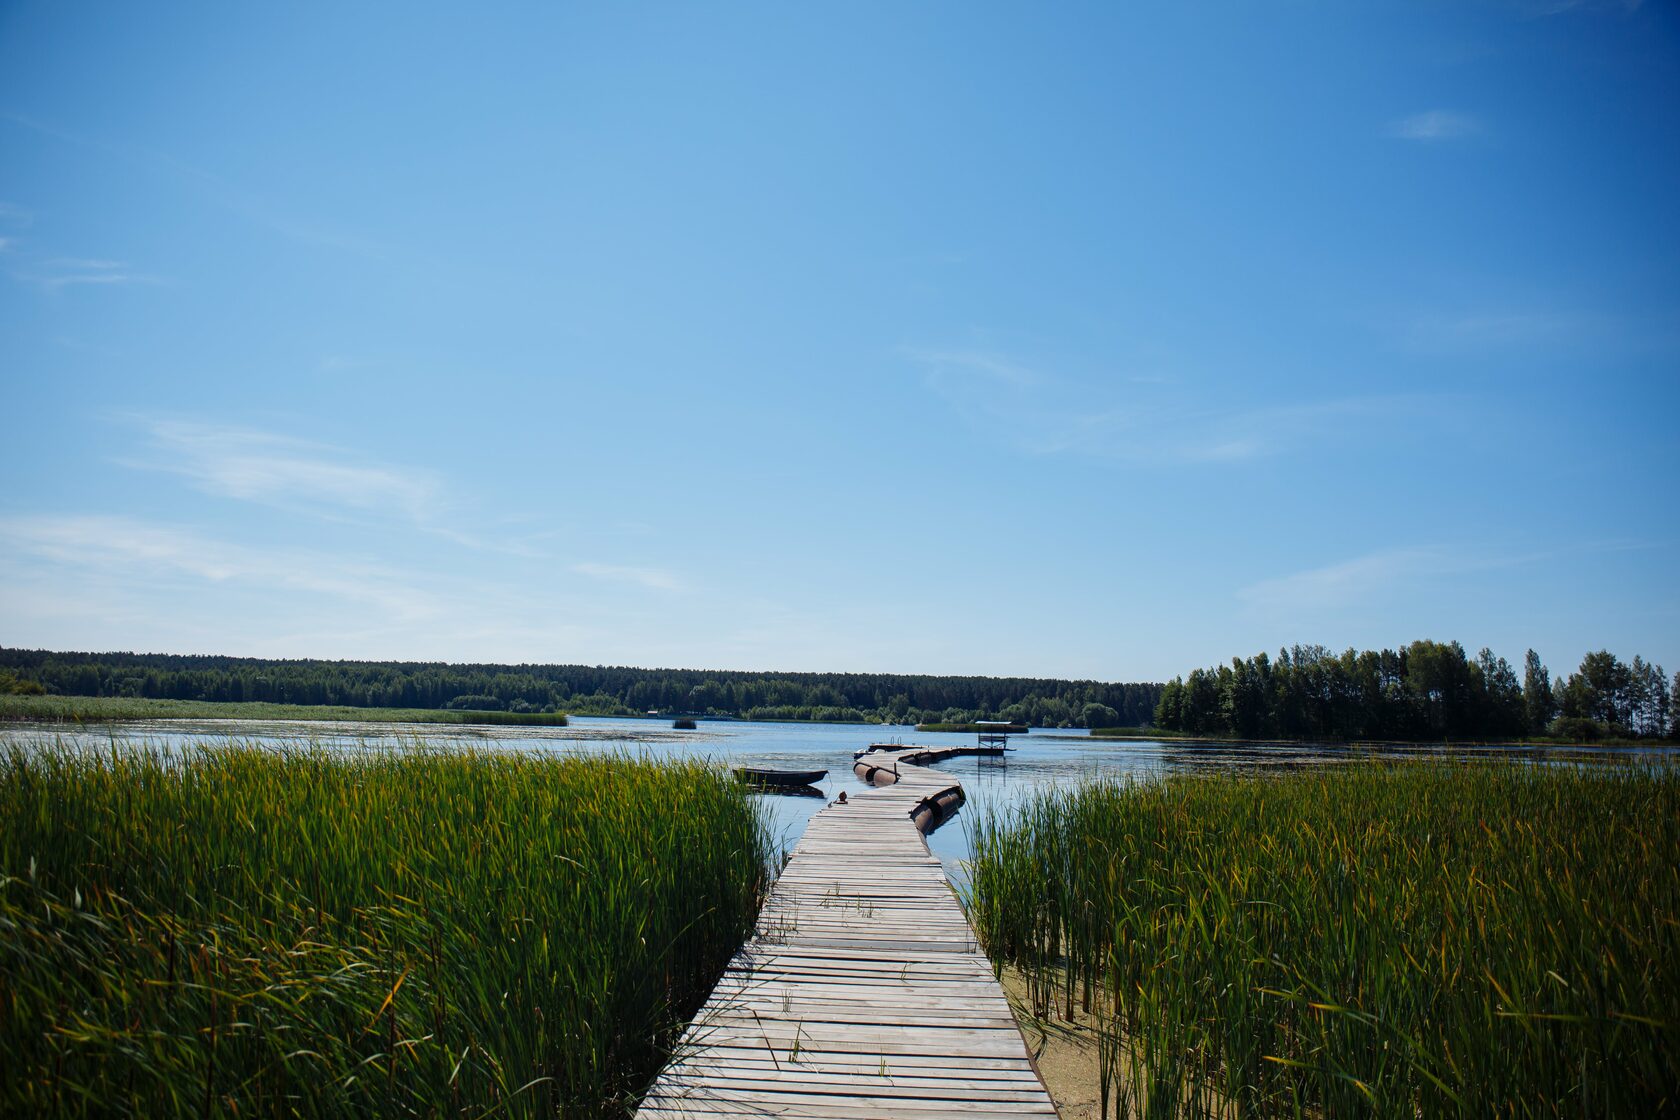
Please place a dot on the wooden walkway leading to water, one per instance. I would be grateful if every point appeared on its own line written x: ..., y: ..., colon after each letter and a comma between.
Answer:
x: 863, y: 994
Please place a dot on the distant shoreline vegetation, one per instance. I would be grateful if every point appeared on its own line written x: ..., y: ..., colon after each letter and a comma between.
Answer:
x: 579, y: 689
x: 1184, y: 738
x: 1423, y: 692
x: 38, y: 708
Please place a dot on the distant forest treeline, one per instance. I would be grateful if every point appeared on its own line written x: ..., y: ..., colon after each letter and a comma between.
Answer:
x: 1426, y: 691
x: 589, y: 690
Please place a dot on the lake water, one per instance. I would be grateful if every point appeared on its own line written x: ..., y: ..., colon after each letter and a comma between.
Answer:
x: 1037, y: 760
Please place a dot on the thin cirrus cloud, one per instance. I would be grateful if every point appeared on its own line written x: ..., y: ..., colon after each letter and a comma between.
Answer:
x: 66, y: 272
x: 121, y: 582
x: 134, y: 551
x: 219, y: 192
x: 308, y: 477
x: 1436, y: 124
x: 282, y: 471
x: 57, y: 272
x: 1382, y: 576
x: 656, y: 579
x: 1345, y: 584
x: 1554, y: 330
x: 1144, y: 419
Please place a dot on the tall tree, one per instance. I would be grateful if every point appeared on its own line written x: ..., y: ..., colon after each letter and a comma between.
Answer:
x: 1674, y: 708
x: 1498, y: 699
x: 1539, y: 704
x: 1600, y: 690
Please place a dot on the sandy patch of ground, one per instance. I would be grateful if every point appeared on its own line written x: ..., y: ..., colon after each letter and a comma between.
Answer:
x: 1065, y: 1054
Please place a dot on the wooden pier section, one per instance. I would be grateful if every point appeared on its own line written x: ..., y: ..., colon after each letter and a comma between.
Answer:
x: 863, y: 994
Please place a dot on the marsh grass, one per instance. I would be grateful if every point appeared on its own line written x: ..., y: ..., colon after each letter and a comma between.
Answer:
x: 239, y: 931
x: 1426, y: 939
x: 108, y: 709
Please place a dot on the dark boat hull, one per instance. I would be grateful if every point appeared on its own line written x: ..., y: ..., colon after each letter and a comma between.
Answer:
x: 779, y: 778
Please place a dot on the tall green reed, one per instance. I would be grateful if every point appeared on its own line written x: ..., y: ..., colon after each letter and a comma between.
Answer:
x: 1424, y: 939
x: 240, y: 931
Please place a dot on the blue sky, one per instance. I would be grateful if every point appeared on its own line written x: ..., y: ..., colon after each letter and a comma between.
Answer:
x: 1096, y: 341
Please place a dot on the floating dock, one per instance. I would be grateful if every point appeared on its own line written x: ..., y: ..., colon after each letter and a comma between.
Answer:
x: 862, y: 994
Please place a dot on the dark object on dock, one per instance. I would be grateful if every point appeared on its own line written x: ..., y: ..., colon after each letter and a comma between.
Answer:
x: 779, y: 779
x: 878, y: 766
x: 682, y: 724
x: 931, y: 812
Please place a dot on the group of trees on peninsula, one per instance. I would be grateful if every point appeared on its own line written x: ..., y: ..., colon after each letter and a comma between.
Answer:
x: 1424, y: 691
x: 587, y: 690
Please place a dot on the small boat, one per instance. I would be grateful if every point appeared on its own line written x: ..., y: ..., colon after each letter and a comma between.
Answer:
x: 759, y: 776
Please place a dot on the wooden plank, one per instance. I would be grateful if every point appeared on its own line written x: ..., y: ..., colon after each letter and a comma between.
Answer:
x: 860, y: 1070
x: 863, y: 992
x: 823, y: 1054
x: 806, y: 1082
x: 727, y: 1099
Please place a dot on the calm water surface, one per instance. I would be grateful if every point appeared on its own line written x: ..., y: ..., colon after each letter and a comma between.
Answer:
x: 1038, y: 760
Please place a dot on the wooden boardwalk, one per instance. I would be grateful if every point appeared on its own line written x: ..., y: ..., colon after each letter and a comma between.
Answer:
x: 863, y: 994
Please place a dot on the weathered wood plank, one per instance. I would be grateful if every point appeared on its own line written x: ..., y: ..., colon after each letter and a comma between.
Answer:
x: 863, y: 993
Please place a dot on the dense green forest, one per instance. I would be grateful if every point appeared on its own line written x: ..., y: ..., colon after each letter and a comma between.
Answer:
x: 1425, y: 691
x: 589, y: 690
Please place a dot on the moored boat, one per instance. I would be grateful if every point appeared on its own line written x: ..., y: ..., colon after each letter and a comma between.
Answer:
x: 762, y: 776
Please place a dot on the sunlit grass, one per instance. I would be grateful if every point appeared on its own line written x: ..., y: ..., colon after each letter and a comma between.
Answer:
x: 240, y: 931
x: 1424, y: 939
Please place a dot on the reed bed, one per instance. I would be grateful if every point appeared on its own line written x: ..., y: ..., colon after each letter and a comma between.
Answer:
x: 239, y: 931
x: 1424, y: 939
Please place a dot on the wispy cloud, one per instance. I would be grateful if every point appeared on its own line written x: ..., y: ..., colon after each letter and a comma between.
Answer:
x: 130, y: 548
x: 54, y: 273
x: 1555, y: 328
x: 343, y: 363
x: 118, y: 582
x: 210, y: 187
x: 1436, y: 124
x: 954, y: 366
x: 1388, y: 575
x: 283, y: 471
x: 1143, y: 418
x: 1347, y: 583
x: 65, y: 272
x: 308, y: 477
x: 656, y: 579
